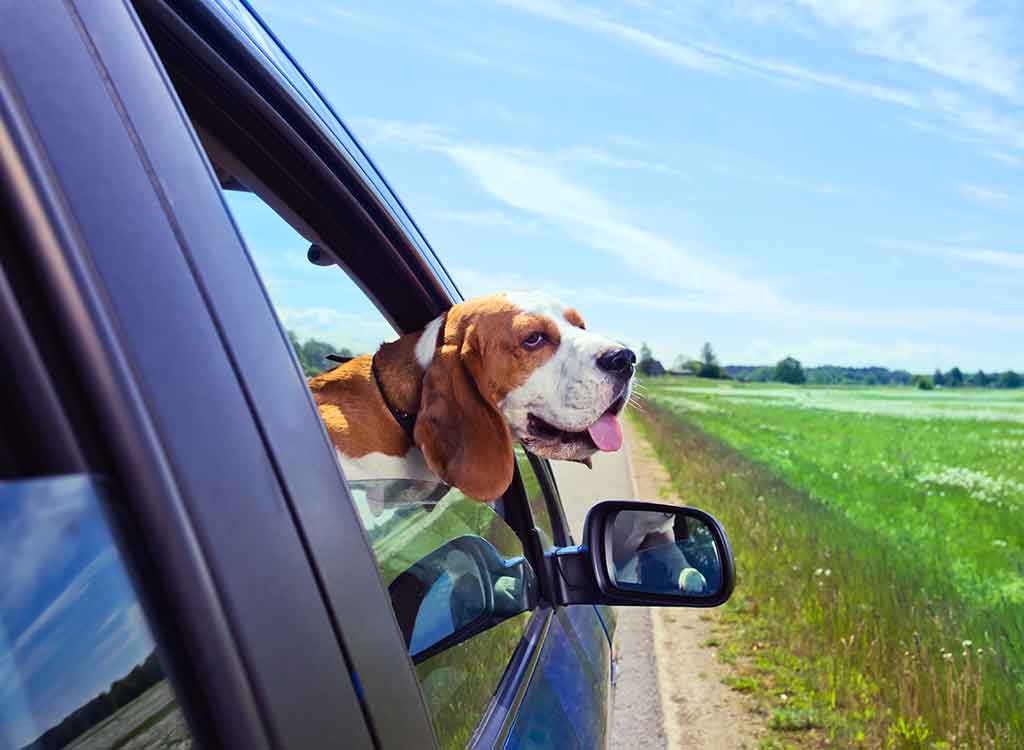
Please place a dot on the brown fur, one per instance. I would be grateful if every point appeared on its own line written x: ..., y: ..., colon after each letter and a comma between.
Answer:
x: 573, y: 318
x: 459, y: 428
x: 354, y: 413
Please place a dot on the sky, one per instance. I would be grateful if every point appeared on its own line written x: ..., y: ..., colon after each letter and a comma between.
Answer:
x: 836, y: 180
x: 69, y: 621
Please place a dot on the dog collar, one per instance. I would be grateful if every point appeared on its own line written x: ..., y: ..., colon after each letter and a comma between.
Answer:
x: 406, y: 420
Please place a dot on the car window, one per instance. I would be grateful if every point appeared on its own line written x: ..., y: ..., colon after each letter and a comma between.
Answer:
x: 78, y: 666
x: 455, y: 569
x: 537, y: 499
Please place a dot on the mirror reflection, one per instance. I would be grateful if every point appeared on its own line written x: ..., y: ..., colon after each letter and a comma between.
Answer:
x: 664, y: 553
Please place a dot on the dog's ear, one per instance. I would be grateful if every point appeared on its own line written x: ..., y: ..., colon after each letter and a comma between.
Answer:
x: 462, y: 434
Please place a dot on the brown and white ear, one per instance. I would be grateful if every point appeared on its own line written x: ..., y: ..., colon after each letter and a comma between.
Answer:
x: 462, y: 435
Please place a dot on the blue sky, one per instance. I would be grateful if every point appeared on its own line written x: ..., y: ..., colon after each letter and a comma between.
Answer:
x: 836, y: 180
x: 69, y: 621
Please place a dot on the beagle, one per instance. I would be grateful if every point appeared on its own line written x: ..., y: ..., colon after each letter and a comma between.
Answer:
x: 447, y: 402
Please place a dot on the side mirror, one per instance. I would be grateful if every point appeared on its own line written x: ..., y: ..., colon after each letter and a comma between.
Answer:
x: 649, y: 554
x: 458, y: 590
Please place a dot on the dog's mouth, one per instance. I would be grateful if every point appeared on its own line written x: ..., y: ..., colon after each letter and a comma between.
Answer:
x: 605, y: 434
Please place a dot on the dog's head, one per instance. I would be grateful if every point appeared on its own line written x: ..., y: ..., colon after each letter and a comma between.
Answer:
x: 516, y: 366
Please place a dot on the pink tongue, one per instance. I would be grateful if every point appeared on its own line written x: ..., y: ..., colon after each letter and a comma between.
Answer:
x: 606, y: 433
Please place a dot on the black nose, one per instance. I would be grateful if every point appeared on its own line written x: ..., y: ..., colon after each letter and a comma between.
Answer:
x: 617, y: 361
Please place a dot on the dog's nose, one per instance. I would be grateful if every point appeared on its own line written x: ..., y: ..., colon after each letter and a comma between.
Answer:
x: 617, y: 361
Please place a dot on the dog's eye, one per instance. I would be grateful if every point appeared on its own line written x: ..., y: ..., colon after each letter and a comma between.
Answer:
x: 534, y: 340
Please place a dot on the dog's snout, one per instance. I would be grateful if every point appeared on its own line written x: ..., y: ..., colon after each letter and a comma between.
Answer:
x: 617, y: 361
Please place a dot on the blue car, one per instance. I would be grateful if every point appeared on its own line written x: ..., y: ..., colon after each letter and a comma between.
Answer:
x: 189, y: 231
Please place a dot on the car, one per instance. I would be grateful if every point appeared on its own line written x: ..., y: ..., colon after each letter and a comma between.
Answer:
x: 182, y: 561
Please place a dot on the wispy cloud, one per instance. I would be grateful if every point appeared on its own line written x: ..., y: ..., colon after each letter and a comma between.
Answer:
x: 949, y: 39
x: 603, y: 158
x: 358, y: 333
x: 488, y: 219
x: 886, y: 32
x: 703, y: 57
x: 703, y: 280
x: 988, y: 196
x: 978, y: 255
x: 1005, y: 158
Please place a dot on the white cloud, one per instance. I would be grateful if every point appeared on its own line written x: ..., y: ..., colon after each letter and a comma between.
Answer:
x: 359, y: 333
x: 1005, y: 158
x: 530, y: 184
x: 35, y: 543
x: 949, y: 38
x: 998, y: 258
x: 884, y: 28
x: 489, y: 219
x: 602, y: 158
x: 71, y: 593
x: 988, y: 196
x: 982, y: 256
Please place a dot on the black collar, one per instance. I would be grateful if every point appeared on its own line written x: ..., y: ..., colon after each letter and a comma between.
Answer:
x: 406, y: 420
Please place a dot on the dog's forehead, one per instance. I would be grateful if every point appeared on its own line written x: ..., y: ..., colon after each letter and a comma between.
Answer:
x: 538, y: 303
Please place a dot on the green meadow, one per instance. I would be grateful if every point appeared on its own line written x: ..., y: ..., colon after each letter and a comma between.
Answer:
x: 879, y: 535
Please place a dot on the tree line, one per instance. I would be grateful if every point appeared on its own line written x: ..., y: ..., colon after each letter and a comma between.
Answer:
x: 141, y: 678
x: 790, y: 370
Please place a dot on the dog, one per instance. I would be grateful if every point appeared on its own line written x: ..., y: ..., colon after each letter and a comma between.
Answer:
x: 446, y: 403
x: 646, y: 554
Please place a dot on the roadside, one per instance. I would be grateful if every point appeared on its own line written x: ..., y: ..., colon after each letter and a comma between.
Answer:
x: 638, y: 722
x: 700, y: 710
x: 669, y: 690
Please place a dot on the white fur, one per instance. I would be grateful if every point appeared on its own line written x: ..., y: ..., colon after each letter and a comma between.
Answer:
x: 382, y: 466
x: 427, y: 342
x: 569, y: 390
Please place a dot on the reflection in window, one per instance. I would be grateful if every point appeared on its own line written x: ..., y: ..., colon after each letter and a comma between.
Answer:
x: 407, y: 521
x: 77, y: 662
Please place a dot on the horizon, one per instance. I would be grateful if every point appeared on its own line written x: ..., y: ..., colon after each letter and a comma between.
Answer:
x: 831, y: 181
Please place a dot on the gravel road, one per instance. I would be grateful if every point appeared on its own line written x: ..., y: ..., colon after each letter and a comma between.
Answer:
x: 637, y: 719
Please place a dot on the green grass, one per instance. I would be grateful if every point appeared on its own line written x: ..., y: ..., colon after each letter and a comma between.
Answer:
x: 876, y: 532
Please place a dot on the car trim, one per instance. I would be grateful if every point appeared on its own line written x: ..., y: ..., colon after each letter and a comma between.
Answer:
x: 497, y: 721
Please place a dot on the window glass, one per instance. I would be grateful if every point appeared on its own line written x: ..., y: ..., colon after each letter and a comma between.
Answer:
x: 454, y: 568
x: 322, y: 309
x: 535, y: 494
x: 78, y: 667
x: 410, y: 524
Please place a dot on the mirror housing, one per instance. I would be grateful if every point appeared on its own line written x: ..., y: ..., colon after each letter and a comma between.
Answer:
x: 646, y: 554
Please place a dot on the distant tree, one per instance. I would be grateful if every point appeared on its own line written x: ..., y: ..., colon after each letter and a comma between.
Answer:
x: 315, y: 353
x: 979, y: 379
x: 789, y: 370
x: 762, y: 375
x: 955, y: 378
x: 900, y: 377
x: 648, y: 365
x: 938, y: 378
x: 683, y: 363
x: 923, y: 382
x: 312, y: 354
x: 870, y: 379
x: 709, y: 367
x: 1010, y: 379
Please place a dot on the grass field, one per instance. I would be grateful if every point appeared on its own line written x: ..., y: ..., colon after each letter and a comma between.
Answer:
x: 879, y: 534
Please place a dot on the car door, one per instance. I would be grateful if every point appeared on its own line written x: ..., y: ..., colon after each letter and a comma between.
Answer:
x: 112, y: 207
x: 279, y: 169
x: 568, y: 699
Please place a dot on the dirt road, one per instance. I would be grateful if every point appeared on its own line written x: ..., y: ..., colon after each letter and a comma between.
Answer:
x: 669, y: 693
